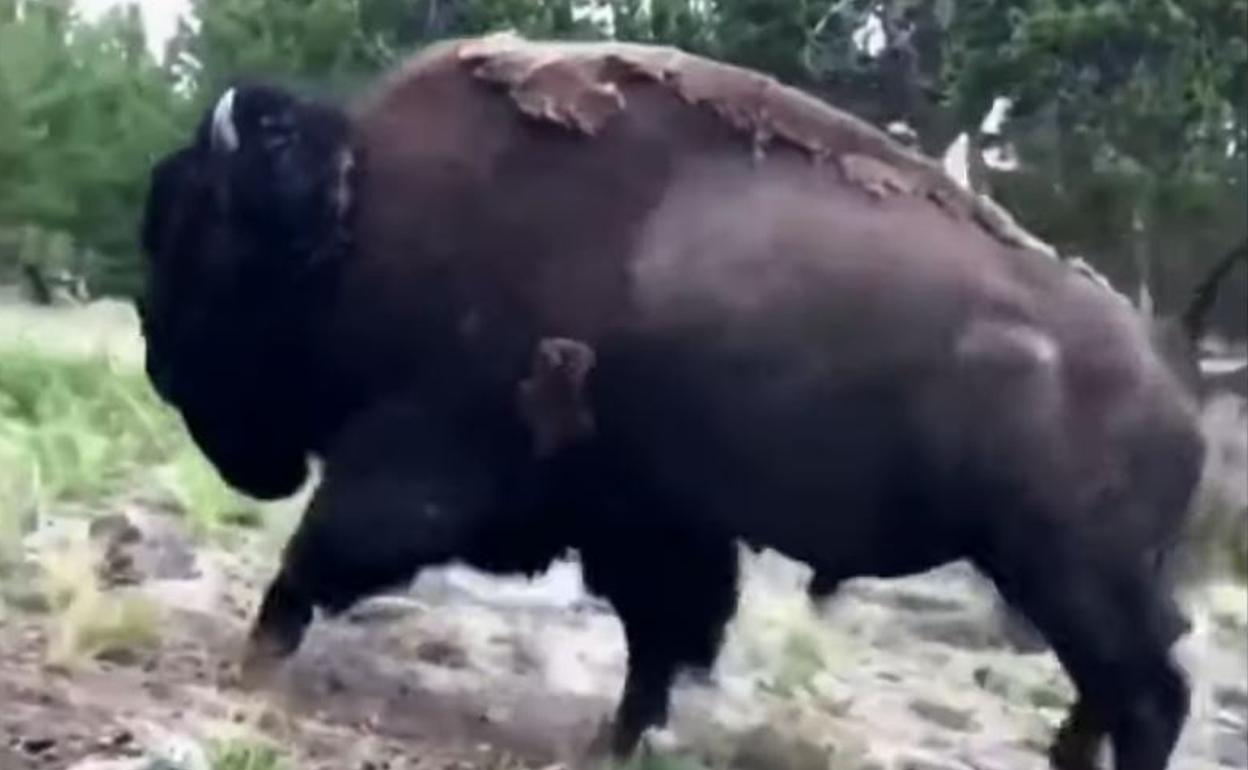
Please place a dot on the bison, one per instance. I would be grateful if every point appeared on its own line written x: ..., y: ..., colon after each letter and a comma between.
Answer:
x: 804, y: 336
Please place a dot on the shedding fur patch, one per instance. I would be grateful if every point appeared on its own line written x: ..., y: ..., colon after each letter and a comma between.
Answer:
x: 578, y: 85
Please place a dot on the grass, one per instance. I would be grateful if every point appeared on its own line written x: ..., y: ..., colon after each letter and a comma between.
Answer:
x: 88, y: 621
x: 82, y: 431
x: 658, y: 760
x: 243, y: 753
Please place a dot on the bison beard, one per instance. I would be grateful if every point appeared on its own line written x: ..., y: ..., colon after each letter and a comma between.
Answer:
x: 801, y: 335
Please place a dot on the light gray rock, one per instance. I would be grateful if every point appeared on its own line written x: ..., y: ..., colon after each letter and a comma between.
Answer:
x: 382, y: 610
x: 908, y: 598
x: 1049, y: 697
x: 942, y: 715
x: 1232, y: 697
x: 139, y: 547
x: 998, y: 682
x: 927, y: 763
x: 766, y: 748
x: 1231, y: 749
x: 99, y: 763
x: 965, y: 632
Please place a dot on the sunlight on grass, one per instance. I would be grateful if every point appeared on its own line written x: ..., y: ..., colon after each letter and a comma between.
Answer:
x: 244, y: 753
x: 778, y: 634
x: 17, y: 502
x: 208, y: 503
x: 658, y: 760
x: 81, y: 431
x: 88, y: 621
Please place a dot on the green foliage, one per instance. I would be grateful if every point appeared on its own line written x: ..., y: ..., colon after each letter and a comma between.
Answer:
x: 1130, y: 120
x: 657, y: 760
x: 87, y: 620
x: 84, y: 110
x: 81, y: 431
x: 244, y: 754
x: 85, y: 426
x: 209, y: 505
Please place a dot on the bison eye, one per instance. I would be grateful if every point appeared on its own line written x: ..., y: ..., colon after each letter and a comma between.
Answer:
x: 277, y: 142
x: 279, y: 131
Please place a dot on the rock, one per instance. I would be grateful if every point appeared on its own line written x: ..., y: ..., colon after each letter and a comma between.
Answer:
x: 910, y: 600
x: 1017, y: 632
x: 442, y: 653
x: 119, y: 656
x: 948, y: 717
x: 1232, y: 697
x: 996, y: 682
x: 37, y: 746
x: 1232, y: 721
x: 382, y: 609
x: 963, y: 632
x: 24, y: 596
x: 766, y: 748
x: 138, y: 547
x: 99, y: 763
x: 1048, y: 698
x: 936, y: 741
x: 1231, y: 749
x: 927, y: 763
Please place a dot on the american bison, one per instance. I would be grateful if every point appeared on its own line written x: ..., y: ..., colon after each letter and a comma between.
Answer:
x: 803, y: 335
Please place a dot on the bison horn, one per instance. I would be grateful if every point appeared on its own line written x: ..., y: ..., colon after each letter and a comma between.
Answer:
x: 224, y: 133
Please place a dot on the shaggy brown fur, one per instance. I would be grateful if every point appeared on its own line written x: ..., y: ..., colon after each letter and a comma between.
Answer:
x: 804, y: 337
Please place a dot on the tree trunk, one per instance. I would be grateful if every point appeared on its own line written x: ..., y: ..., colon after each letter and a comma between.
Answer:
x: 1141, y: 257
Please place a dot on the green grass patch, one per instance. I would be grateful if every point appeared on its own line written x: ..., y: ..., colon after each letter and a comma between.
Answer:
x: 86, y: 430
x: 247, y: 754
x: 659, y: 760
x: 88, y: 621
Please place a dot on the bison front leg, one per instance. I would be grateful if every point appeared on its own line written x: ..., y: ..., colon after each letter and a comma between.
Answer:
x: 283, y: 619
x: 360, y: 536
x: 400, y: 493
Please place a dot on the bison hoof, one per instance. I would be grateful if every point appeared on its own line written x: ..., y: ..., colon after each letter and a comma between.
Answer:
x: 599, y: 746
x: 660, y: 740
x: 259, y: 663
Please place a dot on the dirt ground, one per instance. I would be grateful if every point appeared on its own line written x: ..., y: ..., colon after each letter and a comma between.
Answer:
x: 466, y: 671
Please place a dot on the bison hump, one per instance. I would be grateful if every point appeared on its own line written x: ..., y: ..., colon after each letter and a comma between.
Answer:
x: 582, y: 86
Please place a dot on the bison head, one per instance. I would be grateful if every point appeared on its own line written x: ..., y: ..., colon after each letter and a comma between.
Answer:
x: 241, y: 230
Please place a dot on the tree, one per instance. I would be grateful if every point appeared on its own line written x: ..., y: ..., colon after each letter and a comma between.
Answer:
x: 84, y: 111
x: 1130, y: 123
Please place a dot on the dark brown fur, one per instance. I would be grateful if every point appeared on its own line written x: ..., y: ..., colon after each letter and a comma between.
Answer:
x: 804, y: 337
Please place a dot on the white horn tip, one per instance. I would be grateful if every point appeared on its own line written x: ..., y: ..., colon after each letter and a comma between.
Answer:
x: 223, y: 130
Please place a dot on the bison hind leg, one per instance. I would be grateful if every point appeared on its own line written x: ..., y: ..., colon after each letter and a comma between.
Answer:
x: 1111, y: 623
x: 674, y: 590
